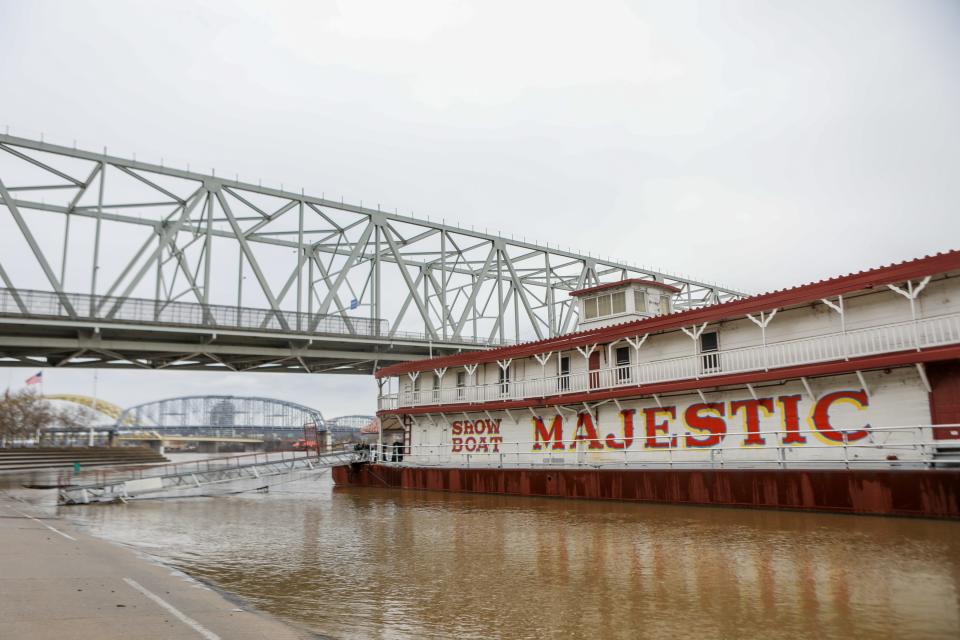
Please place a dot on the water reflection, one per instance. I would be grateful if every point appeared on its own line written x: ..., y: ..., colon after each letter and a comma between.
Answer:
x: 360, y: 563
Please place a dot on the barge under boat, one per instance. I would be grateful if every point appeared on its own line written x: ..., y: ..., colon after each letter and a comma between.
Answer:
x: 841, y: 395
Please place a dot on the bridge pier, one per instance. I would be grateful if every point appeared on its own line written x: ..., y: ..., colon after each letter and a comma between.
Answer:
x: 156, y: 445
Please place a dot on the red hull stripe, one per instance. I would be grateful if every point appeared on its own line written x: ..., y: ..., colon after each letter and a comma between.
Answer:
x: 804, y: 294
x: 809, y: 370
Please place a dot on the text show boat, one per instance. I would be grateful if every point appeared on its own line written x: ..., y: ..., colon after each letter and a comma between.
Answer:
x: 841, y: 395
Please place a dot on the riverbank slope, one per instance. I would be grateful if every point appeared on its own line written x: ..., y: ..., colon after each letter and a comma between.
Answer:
x: 57, y: 582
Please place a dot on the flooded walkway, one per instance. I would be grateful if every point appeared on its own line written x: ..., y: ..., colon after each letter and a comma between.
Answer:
x: 381, y: 563
x: 58, y: 583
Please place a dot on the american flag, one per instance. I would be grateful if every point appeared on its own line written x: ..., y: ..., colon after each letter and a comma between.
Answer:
x: 36, y: 378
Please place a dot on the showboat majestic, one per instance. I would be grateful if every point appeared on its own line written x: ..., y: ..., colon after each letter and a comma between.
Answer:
x: 841, y: 395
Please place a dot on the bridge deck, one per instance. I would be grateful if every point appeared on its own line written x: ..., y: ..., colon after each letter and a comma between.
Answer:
x: 107, y: 332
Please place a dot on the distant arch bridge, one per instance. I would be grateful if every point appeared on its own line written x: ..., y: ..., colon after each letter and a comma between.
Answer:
x: 225, y: 415
x: 97, y: 404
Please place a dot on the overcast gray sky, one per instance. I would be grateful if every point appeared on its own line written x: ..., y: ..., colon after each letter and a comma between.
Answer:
x: 759, y: 145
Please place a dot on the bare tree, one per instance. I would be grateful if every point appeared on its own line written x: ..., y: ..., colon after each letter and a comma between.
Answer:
x: 24, y: 414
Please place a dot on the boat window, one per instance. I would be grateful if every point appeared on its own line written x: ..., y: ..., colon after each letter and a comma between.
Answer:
x: 709, y: 348
x: 563, y: 383
x: 461, y: 383
x: 664, y: 305
x: 623, y: 364
x: 709, y: 341
x: 620, y: 302
x: 504, y: 380
x: 603, y: 306
x: 590, y: 307
x: 639, y: 301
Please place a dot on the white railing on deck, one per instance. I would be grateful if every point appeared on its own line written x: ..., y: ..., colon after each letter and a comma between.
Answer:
x: 912, y: 446
x: 920, y: 334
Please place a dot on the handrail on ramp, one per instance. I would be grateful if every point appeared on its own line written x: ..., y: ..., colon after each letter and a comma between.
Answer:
x: 213, y: 476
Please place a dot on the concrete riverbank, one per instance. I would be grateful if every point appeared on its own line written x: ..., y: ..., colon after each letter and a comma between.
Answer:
x: 58, y: 582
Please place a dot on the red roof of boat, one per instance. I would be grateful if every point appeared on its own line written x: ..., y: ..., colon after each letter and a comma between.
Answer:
x: 811, y: 292
x: 621, y: 283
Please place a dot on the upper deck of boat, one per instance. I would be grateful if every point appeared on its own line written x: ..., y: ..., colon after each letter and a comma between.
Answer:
x: 901, y: 314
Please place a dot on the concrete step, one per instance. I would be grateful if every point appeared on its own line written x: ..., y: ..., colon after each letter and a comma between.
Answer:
x: 101, y: 456
x: 74, y: 451
x: 27, y: 466
x: 47, y: 458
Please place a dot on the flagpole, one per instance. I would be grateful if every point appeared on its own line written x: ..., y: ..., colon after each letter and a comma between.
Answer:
x: 90, y: 443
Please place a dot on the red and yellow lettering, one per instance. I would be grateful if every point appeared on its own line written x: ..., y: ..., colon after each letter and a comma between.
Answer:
x: 714, y: 425
x: 493, y: 426
x: 470, y: 444
x: 751, y: 418
x: 482, y: 444
x: 585, y: 423
x: 821, y: 415
x: 540, y: 433
x: 791, y: 419
x: 653, y: 428
x: 495, y: 443
x: 467, y: 426
x: 457, y: 445
x: 480, y: 426
x: 456, y: 428
x: 626, y: 421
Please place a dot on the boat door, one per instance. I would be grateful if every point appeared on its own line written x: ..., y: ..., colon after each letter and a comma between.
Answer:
x: 595, y: 369
x: 945, y: 399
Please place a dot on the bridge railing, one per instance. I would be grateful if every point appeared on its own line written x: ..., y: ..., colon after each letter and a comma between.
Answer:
x: 46, y: 304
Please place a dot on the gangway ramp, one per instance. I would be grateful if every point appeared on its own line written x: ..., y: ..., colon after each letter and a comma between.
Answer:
x: 212, y: 476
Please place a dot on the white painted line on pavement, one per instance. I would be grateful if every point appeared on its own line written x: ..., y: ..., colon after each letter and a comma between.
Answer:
x: 190, y: 622
x: 57, y: 531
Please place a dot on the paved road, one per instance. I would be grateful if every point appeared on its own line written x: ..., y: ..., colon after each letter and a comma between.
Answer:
x: 57, y: 582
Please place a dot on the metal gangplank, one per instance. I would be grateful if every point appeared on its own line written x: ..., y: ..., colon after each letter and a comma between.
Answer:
x: 208, y: 477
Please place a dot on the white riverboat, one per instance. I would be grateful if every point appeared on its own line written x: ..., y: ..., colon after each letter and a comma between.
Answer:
x: 855, y: 373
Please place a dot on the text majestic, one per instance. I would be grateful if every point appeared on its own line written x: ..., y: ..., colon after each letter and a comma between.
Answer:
x: 698, y: 425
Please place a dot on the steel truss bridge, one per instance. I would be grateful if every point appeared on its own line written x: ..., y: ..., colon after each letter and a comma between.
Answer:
x: 225, y: 415
x: 110, y: 262
x: 349, y: 423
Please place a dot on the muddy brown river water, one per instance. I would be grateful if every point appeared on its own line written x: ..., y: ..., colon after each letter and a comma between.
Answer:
x: 380, y: 563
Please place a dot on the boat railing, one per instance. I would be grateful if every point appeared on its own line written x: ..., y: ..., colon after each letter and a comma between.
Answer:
x: 888, y: 338
x: 911, y: 446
